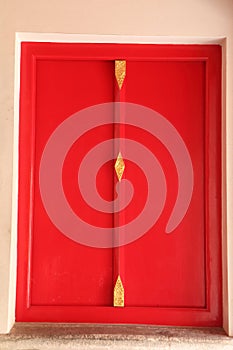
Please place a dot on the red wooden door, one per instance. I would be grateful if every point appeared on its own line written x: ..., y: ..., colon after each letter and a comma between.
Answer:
x: 163, y: 115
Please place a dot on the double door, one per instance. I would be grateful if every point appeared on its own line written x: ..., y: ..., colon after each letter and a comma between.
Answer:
x: 119, y: 184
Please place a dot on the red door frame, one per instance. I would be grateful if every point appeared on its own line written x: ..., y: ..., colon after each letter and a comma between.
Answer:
x: 211, y: 55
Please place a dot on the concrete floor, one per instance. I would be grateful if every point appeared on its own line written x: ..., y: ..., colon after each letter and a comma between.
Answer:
x: 43, y: 336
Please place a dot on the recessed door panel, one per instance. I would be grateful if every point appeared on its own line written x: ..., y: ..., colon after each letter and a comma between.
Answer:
x: 163, y: 263
x: 63, y: 272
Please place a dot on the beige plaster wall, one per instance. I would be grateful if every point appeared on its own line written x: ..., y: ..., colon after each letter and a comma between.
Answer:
x: 179, y: 18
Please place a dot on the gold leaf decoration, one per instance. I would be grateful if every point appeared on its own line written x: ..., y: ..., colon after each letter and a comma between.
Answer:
x: 120, y: 72
x: 119, y: 297
x: 119, y: 166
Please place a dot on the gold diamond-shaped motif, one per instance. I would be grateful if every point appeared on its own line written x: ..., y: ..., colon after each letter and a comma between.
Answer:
x: 119, y: 297
x: 119, y: 166
x: 120, y: 72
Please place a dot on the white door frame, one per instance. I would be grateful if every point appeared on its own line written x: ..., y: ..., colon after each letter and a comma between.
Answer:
x: 227, y: 175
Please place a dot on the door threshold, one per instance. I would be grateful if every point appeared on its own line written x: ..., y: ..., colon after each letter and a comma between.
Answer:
x: 98, y: 336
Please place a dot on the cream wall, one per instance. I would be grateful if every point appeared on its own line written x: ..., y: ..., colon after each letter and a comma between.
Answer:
x: 175, y: 18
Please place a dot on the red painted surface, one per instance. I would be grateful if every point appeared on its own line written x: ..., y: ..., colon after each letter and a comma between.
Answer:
x: 170, y: 279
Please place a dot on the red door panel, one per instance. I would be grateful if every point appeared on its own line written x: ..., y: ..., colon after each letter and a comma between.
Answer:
x: 172, y: 279
x: 58, y: 272
x: 176, y: 89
